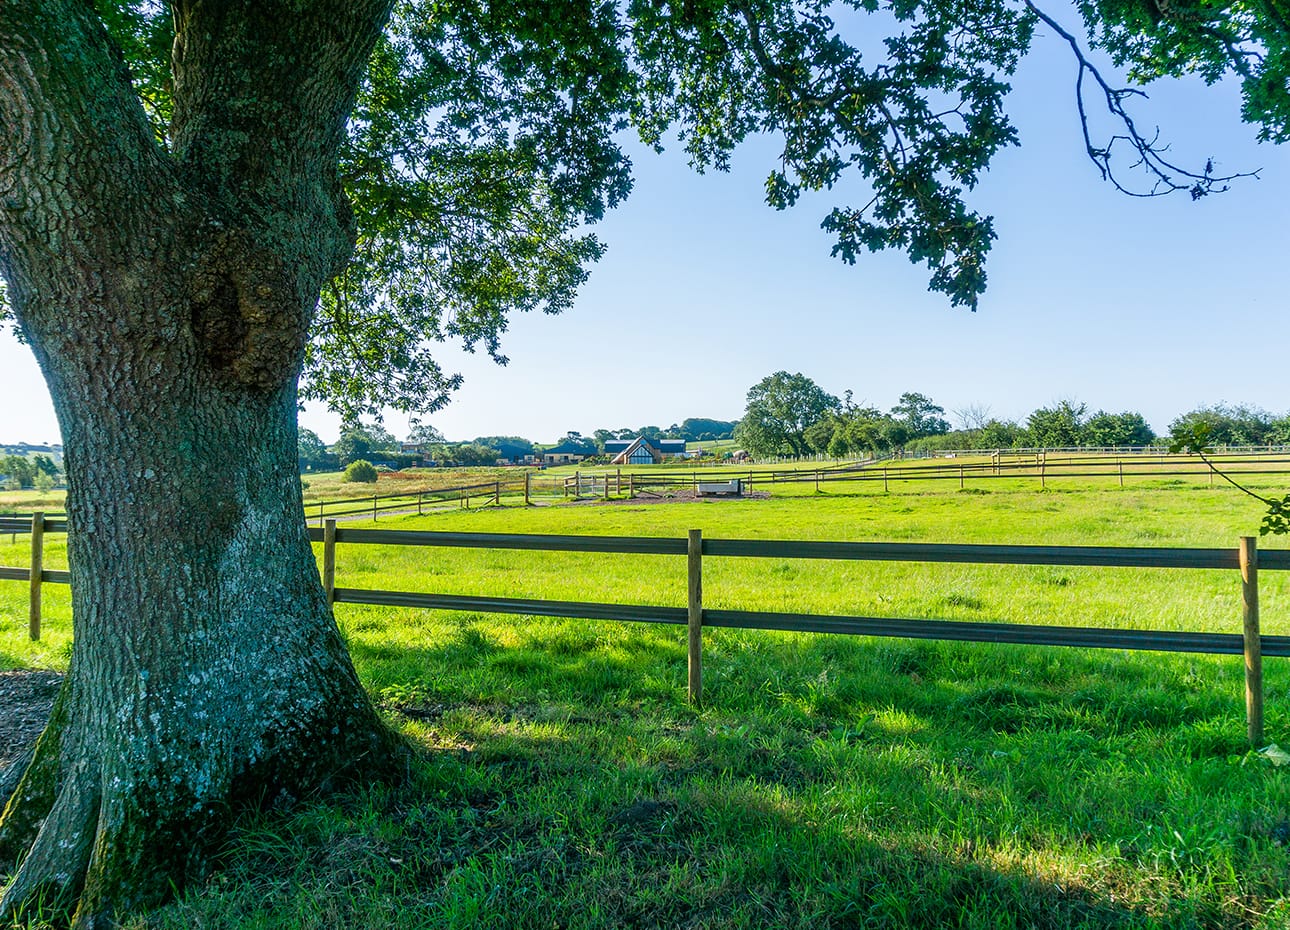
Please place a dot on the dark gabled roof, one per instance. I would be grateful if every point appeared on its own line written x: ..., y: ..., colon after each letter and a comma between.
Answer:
x: 614, y: 446
x: 569, y: 448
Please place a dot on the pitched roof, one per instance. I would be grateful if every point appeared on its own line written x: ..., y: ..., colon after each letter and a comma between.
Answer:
x: 569, y: 448
x: 615, y: 446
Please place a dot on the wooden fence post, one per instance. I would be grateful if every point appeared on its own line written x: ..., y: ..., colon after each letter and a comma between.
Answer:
x: 694, y: 553
x: 1253, y: 642
x: 606, y: 487
x: 373, y: 508
x: 1121, y: 467
x: 884, y: 478
x: 37, y: 572
x: 420, y: 497
x: 618, y: 482
x: 320, y: 514
x: 497, y: 493
x: 329, y: 560
x: 631, y: 486
x: 960, y: 476
x: 528, y: 486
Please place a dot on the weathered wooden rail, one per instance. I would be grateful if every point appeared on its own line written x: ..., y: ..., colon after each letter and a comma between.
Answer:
x: 1245, y: 558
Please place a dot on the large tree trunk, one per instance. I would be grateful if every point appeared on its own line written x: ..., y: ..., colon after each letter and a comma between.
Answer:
x: 167, y: 296
x: 207, y: 668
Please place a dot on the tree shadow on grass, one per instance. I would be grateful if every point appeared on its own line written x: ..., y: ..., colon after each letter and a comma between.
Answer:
x: 1061, y: 782
x: 545, y: 828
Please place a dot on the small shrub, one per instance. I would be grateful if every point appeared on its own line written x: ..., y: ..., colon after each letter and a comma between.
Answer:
x: 360, y: 470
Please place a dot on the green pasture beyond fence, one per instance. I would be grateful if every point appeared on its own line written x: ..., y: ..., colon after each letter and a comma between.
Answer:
x: 1245, y: 558
x: 606, y: 483
x: 1040, y: 466
x: 614, y: 482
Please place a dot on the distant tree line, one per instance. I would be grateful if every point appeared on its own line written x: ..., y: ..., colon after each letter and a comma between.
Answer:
x: 791, y: 415
x: 378, y: 447
x: 20, y: 472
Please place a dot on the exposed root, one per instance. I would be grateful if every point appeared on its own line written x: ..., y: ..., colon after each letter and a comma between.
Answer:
x: 94, y: 836
x: 13, y: 774
x: 53, y: 870
x: 30, y: 786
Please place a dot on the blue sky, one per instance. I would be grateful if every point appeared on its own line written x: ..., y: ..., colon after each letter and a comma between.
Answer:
x: 1153, y: 305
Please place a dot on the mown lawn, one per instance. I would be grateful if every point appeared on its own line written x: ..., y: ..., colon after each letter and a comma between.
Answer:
x: 827, y: 781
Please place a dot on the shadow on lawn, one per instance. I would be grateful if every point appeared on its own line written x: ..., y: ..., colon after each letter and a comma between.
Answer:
x: 841, y: 782
x: 544, y: 835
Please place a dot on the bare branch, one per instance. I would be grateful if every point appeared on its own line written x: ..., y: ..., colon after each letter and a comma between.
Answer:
x: 1166, y: 176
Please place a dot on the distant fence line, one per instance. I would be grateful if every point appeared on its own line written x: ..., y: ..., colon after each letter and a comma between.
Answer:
x: 1013, y: 464
x: 1105, y: 450
x: 1040, y: 465
x: 1244, y: 558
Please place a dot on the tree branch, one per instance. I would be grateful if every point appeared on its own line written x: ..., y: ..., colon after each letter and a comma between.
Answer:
x: 77, y: 151
x: 1166, y: 176
x: 272, y: 157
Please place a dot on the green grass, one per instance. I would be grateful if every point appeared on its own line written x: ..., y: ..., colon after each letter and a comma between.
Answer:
x: 331, y: 485
x: 827, y: 781
x: 31, y: 500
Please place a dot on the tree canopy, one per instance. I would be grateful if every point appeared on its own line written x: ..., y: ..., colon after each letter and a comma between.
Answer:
x: 920, y: 415
x: 781, y: 407
x: 483, y: 142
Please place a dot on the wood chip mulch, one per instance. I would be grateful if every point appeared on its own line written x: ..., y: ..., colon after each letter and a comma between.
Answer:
x: 25, y: 701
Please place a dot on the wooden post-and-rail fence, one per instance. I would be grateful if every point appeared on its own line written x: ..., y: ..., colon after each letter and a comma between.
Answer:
x: 36, y: 575
x: 1245, y: 558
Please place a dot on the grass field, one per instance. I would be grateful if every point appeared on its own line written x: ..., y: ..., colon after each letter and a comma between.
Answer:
x: 827, y: 781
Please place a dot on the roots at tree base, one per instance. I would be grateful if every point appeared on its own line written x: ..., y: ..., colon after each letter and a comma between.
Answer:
x: 94, y: 828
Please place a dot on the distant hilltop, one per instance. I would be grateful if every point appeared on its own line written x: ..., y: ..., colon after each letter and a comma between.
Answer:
x: 27, y: 448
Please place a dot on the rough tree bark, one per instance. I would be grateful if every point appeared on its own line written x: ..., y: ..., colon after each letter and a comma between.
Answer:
x: 167, y: 295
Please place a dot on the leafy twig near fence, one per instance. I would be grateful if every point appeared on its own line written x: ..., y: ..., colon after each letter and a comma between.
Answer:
x: 1195, y: 439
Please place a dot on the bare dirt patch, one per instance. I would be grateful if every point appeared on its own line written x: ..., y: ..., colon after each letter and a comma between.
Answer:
x: 670, y: 496
x: 25, y: 701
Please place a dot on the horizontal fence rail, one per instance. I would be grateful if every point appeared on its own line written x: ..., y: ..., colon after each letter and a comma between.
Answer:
x: 1100, y: 556
x: 1245, y: 558
x: 972, y: 631
x: 641, y: 545
x: 583, y: 610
